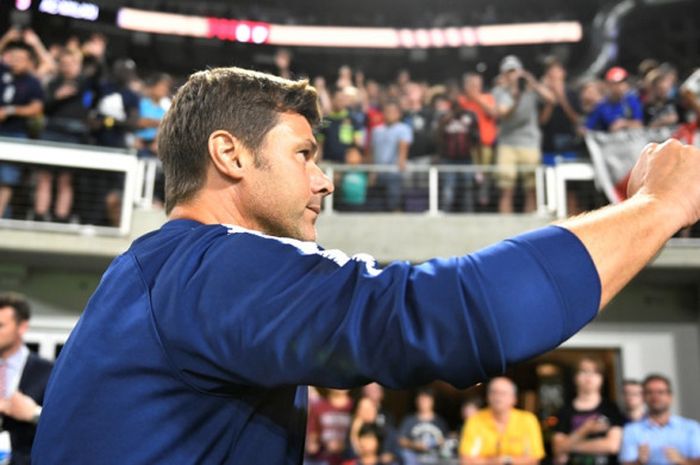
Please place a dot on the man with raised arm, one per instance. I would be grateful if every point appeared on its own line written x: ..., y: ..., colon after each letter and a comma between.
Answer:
x: 199, y: 342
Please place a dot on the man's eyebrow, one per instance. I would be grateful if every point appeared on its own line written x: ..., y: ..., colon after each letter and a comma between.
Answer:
x: 313, y: 144
x: 309, y: 144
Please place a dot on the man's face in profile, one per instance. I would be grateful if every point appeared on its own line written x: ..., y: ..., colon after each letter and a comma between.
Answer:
x: 283, y: 196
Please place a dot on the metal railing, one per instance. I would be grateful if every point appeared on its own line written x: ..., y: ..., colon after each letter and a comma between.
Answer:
x: 30, y: 156
x: 551, y: 183
x: 422, y: 188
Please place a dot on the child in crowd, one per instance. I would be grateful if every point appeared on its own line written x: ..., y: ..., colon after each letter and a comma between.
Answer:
x: 354, y: 183
x: 369, y: 444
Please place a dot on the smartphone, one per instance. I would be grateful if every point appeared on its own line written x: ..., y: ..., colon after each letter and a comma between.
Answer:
x: 522, y: 84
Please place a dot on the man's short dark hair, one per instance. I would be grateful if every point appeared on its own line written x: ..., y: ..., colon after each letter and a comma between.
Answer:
x: 21, y: 45
x: 18, y: 303
x: 157, y: 78
x: 631, y: 382
x: 426, y: 391
x: 470, y: 75
x: 245, y: 103
x: 657, y: 377
x: 370, y: 429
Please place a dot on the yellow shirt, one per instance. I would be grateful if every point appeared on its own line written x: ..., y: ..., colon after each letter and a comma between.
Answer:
x: 521, y: 438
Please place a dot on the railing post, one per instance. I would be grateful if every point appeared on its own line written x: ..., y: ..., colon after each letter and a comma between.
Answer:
x: 130, y: 175
x: 139, y: 183
x: 151, y: 171
x: 433, y: 178
x: 540, y: 190
x: 551, y: 186
x: 328, y: 200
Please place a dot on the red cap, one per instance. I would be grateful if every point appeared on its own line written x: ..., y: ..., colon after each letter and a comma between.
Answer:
x: 616, y: 74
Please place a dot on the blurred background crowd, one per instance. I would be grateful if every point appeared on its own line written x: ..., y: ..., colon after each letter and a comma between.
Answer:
x: 488, y: 134
x: 587, y: 428
x: 484, y: 118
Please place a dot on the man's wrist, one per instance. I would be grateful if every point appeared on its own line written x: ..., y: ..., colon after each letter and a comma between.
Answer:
x: 10, y: 110
x: 664, y: 213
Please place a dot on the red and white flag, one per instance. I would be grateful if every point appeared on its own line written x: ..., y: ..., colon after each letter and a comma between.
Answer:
x: 614, y: 153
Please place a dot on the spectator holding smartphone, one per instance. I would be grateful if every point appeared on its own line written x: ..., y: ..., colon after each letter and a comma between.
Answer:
x: 21, y: 100
x: 517, y: 98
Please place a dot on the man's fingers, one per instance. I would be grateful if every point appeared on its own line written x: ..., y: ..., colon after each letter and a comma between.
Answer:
x: 650, y: 147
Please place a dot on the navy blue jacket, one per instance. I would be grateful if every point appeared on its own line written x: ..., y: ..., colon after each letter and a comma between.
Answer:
x: 199, y: 342
x: 32, y: 383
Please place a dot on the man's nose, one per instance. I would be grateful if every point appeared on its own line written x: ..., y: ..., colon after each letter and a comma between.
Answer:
x: 320, y: 183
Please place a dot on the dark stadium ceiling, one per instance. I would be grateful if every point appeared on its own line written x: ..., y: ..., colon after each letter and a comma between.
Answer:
x: 416, y: 13
x: 674, y: 22
x: 387, y: 13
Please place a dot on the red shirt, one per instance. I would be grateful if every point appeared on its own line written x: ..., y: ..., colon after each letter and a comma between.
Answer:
x: 331, y: 424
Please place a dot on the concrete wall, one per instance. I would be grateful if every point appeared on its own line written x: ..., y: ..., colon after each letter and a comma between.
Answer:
x: 387, y: 237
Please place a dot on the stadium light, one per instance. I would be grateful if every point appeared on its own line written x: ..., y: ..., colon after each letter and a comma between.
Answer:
x: 348, y: 37
x: 70, y: 9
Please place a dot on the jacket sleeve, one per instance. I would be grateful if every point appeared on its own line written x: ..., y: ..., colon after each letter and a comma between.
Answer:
x: 261, y: 311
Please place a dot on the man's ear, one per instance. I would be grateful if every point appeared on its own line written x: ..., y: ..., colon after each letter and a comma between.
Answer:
x: 228, y: 155
x: 23, y: 327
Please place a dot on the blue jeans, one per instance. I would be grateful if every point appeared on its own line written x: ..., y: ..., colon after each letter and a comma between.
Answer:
x: 391, y: 185
x: 452, y: 182
x: 11, y: 175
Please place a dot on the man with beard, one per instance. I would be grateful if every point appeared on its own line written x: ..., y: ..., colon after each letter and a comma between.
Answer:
x: 660, y: 438
x: 200, y: 340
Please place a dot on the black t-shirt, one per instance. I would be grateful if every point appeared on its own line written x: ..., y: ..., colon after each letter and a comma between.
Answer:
x: 68, y: 114
x: 655, y: 110
x: 559, y: 133
x: 570, y: 419
x: 431, y: 433
x: 17, y: 90
x: 423, y: 124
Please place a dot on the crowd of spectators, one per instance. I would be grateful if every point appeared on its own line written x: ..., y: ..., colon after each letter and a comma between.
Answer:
x: 487, y: 136
x: 497, y: 134
x: 587, y: 430
x: 68, y: 93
